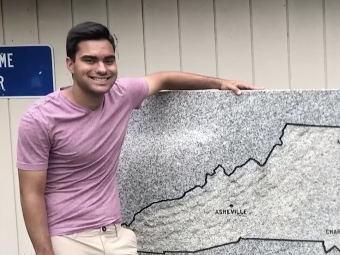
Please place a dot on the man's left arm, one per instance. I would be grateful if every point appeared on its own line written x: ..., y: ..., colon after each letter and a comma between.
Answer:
x: 189, y: 81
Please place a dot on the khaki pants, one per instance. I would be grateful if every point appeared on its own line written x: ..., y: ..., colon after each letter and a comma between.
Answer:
x: 108, y: 240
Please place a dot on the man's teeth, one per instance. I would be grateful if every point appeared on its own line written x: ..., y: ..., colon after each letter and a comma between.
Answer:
x: 99, y: 79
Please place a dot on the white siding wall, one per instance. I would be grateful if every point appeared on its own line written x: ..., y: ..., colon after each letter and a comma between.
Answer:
x: 279, y: 44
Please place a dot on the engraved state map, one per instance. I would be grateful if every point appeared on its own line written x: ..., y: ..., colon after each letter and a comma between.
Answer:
x: 208, y: 172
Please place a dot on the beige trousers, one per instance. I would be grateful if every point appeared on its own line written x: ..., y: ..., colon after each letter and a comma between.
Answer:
x: 108, y: 240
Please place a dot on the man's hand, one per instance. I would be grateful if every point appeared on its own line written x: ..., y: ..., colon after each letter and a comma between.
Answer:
x: 189, y: 81
x: 32, y: 196
x: 46, y: 253
x: 237, y: 86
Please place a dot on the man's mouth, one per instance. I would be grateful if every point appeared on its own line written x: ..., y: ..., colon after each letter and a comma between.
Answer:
x: 100, y: 78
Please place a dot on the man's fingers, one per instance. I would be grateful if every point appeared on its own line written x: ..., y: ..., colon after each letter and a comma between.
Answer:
x: 235, y: 89
x: 237, y: 86
x: 248, y: 86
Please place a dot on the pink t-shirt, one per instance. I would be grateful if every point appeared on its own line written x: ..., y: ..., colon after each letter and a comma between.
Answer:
x: 80, y: 150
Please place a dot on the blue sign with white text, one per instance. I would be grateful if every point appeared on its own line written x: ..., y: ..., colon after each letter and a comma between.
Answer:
x: 26, y: 71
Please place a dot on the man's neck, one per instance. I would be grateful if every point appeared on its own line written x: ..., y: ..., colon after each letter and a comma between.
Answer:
x: 79, y: 97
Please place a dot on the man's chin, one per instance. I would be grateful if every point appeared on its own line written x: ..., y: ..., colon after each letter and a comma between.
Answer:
x: 101, y: 89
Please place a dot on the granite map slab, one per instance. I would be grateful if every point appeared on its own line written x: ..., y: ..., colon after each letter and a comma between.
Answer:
x: 209, y: 172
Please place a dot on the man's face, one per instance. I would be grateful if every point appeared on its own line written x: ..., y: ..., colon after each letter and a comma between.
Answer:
x: 95, y: 68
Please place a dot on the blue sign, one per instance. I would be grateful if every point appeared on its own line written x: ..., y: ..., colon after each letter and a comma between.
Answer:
x: 26, y: 71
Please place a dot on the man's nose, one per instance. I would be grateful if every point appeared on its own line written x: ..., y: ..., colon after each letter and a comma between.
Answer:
x: 101, y: 68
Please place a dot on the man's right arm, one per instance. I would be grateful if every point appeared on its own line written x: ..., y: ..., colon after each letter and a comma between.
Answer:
x: 32, y: 195
x: 34, y: 144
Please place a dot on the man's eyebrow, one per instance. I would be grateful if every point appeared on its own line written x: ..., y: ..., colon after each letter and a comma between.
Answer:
x: 110, y: 56
x: 94, y: 57
x: 88, y: 56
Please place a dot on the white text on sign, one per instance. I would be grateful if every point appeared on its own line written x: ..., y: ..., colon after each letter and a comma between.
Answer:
x: 5, y: 62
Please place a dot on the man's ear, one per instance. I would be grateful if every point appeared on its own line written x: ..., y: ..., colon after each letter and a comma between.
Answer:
x: 70, y: 65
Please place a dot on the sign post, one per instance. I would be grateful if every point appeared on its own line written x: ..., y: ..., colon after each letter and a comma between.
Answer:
x: 26, y: 71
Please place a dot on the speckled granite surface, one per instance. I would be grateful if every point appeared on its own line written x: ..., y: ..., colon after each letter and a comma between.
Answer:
x: 215, y: 173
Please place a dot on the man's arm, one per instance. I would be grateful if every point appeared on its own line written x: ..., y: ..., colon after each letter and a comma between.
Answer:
x: 189, y: 81
x: 33, y: 148
x: 32, y: 190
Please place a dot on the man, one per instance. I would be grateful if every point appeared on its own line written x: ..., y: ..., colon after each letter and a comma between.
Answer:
x: 69, y: 145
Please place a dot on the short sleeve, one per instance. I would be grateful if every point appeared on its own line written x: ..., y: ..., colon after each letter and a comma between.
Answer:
x: 137, y: 90
x: 33, y: 145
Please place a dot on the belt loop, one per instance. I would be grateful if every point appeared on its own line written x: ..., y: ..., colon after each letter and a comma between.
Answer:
x: 116, y: 230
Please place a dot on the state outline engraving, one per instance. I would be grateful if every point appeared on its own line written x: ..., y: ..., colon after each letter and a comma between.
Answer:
x: 214, y: 172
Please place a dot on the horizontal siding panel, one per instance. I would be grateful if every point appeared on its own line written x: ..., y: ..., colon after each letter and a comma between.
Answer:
x: 125, y: 21
x: 270, y: 43
x: 197, y: 36
x: 53, y: 29
x: 306, y: 44
x: 89, y: 10
x: 2, y: 41
x: 20, y: 21
x: 332, y: 18
x: 233, y: 40
x: 19, y: 31
x: 161, y: 36
x: 8, y: 224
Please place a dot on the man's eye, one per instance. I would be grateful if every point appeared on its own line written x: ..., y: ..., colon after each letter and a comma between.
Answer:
x: 89, y: 60
x: 110, y: 61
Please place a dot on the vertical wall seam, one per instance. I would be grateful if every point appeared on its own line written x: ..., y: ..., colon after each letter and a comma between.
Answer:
x: 72, y: 12
x: 11, y: 144
x: 288, y: 46
x: 179, y: 37
x: 215, y: 36
x: 109, y: 27
x: 2, y: 21
x: 325, y: 43
x: 144, y: 41
x: 252, y: 40
x: 107, y: 14
x: 13, y: 175
x: 38, y: 22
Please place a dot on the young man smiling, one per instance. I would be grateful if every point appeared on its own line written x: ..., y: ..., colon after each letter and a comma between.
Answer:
x: 69, y: 145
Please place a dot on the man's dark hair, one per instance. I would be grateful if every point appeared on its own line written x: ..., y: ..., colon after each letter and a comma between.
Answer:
x: 83, y: 32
